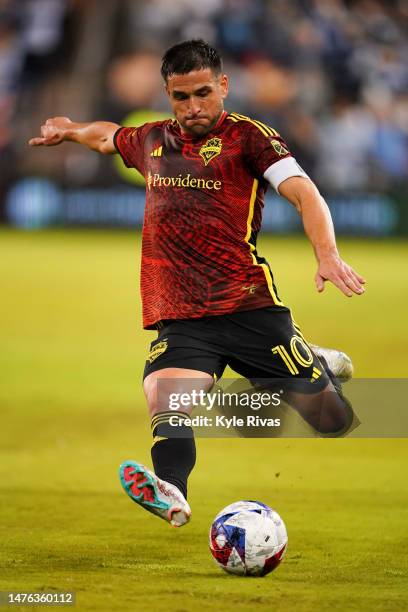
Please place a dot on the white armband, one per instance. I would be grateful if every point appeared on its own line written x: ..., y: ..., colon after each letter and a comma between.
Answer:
x: 282, y: 170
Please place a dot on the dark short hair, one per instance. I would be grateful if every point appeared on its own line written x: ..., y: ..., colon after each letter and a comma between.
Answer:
x: 190, y: 55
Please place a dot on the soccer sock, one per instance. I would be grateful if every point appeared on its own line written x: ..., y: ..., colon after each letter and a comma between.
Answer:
x: 173, y: 450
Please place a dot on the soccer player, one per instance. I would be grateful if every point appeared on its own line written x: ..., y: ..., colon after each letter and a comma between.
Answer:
x: 205, y: 289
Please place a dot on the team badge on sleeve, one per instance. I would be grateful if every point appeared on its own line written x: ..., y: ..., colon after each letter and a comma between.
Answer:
x: 279, y: 148
x: 211, y: 149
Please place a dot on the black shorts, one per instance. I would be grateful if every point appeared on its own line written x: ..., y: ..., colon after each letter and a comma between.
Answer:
x: 263, y: 344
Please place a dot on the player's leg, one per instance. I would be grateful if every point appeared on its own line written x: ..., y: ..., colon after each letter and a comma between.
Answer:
x: 269, y: 347
x: 164, y: 491
x: 336, y: 362
x: 173, y: 451
x: 326, y: 411
x: 180, y: 363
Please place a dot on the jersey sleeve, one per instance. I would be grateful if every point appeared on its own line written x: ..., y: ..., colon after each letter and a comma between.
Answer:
x: 129, y: 143
x: 268, y: 155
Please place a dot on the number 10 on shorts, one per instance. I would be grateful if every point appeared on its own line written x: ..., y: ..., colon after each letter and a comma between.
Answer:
x: 289, y: 360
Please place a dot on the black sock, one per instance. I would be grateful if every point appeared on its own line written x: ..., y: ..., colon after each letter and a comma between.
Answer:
x: 173, y: 450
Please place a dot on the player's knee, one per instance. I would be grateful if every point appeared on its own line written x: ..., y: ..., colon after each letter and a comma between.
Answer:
x: 164, y: 389
x: 336, y: 418
x: 331, y: 425
x: 150, y: 391
x: 150, y: 388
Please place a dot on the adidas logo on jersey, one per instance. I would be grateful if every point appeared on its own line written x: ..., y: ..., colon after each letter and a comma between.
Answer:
x: 157, y: 152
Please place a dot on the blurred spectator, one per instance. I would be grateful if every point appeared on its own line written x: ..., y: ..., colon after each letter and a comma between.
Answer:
x: 134, y: 82
x: 346, y: 143
x: 42, y: 25
x: 391, y: 152
x: 270, y: 87
x: 28, y: 30
x: 331, y: 75
x: 11, y: 56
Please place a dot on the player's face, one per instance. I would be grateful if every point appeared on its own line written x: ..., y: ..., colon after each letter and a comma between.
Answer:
x: 197, y: 99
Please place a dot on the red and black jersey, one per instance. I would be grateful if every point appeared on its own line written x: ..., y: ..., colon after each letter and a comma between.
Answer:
x: 204, y: 201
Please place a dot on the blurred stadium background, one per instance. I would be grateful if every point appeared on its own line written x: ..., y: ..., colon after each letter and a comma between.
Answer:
x: 330, y: 75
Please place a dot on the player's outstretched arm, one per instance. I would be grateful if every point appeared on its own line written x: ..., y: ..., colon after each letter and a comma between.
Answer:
x: 318, y: 225
x: 97, y: 135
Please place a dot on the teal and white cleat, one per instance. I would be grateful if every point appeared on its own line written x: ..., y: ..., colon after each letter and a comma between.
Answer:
x: 155, y: 495
x: 339, y: 363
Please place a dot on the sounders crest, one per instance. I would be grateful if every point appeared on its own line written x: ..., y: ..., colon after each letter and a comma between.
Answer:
x: 211, y: 149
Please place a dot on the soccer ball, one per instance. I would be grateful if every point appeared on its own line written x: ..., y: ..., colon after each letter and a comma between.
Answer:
x: 248, y: 538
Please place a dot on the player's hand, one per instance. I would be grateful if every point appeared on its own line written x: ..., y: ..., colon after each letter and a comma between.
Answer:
x: 53, y: 132
x: 339, y: 273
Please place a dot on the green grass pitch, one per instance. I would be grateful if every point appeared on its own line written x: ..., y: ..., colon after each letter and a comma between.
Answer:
x: 72, y: 353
